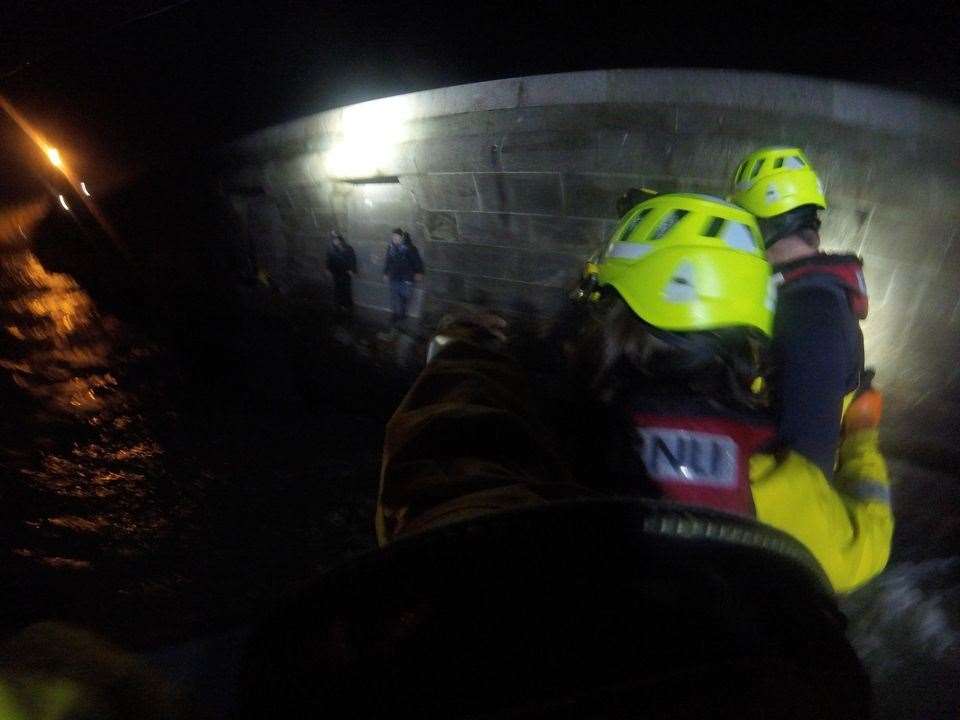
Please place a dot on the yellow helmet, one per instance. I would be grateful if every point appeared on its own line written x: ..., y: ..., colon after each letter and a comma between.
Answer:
x: 686, y: 262
x: 775, y: 180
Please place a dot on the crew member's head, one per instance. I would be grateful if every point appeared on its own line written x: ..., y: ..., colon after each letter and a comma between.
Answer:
x: 685, y: 295
x: 779, y: 187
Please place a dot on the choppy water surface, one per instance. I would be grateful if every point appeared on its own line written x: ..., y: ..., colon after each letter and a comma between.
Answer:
x: 135, y: 498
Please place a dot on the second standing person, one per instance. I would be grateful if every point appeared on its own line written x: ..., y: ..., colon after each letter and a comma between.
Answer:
x: 402, y: 268
x: 342, y: 266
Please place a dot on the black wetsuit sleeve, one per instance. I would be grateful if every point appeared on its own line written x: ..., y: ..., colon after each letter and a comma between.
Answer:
x: 810, y: 352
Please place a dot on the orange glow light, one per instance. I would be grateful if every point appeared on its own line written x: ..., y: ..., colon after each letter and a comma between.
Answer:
x: 55, y: 158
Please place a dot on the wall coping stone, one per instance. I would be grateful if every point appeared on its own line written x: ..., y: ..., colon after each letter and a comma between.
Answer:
x: 868, y: 107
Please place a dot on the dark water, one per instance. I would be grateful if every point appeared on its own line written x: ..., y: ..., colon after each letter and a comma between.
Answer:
x: 153, y: 495
x: 155, y: 487
x: 905, y: 624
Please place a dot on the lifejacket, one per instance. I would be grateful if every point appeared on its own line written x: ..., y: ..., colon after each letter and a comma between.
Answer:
x: 845, y: 270
x: 843, y: 273
x: 693, y: 452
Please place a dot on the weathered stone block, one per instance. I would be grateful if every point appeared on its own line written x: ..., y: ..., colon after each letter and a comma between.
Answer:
x: 594, y: 195
x: 520, y: 192
x: 387, y: 203
x: 465, y: 153
x: 724, y: 88
x: 889, y: 110
x: 638, y: 151
x: 548, y: 150
x: 566, y: 234
x: 438, y: 226
x: 709, y: 157
x: 568, y: 88
x: 512, y: 230
x: 640, y: 117
x: 707, y: 119
x: 547, y: 268
x: 494, y: 262
x: 449, y: 191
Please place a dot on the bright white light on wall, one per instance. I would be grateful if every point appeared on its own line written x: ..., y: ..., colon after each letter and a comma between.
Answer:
x: 63, y: 202
x: 369, y: 137
x: 83, y: 186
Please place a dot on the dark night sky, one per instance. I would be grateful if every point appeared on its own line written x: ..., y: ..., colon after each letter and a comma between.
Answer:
x: 207, y: 70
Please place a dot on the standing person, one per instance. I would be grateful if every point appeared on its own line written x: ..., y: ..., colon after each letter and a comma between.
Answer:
x: 342, y: 266
x: 402, y: 268
x: 817, y: 341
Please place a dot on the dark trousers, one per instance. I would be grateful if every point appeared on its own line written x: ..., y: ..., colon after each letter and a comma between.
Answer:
x: 400, y: 293
x: 343, y: 291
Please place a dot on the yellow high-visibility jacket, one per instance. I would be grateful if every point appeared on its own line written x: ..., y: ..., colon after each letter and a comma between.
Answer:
x: 464, y: 443
x: 846, y: 525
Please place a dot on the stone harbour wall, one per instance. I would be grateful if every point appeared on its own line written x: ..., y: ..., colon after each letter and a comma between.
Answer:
x: 506, y: 186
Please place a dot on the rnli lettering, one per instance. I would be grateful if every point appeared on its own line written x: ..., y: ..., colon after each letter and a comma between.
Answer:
x: 689, y: 457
